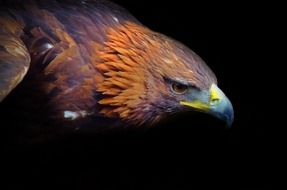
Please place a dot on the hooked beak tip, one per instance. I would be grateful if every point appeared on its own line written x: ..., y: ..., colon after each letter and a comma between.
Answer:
x: 223, y: 108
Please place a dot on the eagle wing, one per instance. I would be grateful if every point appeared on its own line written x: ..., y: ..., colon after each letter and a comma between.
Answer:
x: 14, y: 56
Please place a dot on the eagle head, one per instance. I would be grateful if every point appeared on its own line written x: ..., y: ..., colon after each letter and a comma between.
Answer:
x: 147, y: 76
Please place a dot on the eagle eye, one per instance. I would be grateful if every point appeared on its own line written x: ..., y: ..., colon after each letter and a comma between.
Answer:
x: 179, y: 88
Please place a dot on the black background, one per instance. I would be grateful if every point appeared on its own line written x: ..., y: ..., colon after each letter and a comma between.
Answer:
x: 190, y: 151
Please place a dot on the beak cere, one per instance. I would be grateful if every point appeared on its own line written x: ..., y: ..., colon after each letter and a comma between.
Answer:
x: 218, y: 105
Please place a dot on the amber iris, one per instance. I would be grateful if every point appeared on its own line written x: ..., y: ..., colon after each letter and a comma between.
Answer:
x: 179, y: 88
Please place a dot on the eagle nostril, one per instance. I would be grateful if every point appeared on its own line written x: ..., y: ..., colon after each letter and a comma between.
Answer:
x: 214, y: 100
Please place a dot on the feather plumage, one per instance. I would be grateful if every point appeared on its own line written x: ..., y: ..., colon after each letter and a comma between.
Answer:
x: 93, y: 57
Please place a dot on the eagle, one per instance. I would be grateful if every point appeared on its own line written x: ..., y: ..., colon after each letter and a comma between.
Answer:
x: 77, y: 60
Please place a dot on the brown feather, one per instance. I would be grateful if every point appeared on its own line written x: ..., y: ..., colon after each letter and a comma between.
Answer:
x: 94, y: 57
x: 14, y: 57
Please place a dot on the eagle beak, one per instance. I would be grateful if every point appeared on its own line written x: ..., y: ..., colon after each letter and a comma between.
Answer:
x: 218, y: 105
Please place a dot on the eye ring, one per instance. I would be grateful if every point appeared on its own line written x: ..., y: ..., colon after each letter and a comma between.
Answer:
x: 179, y: 88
